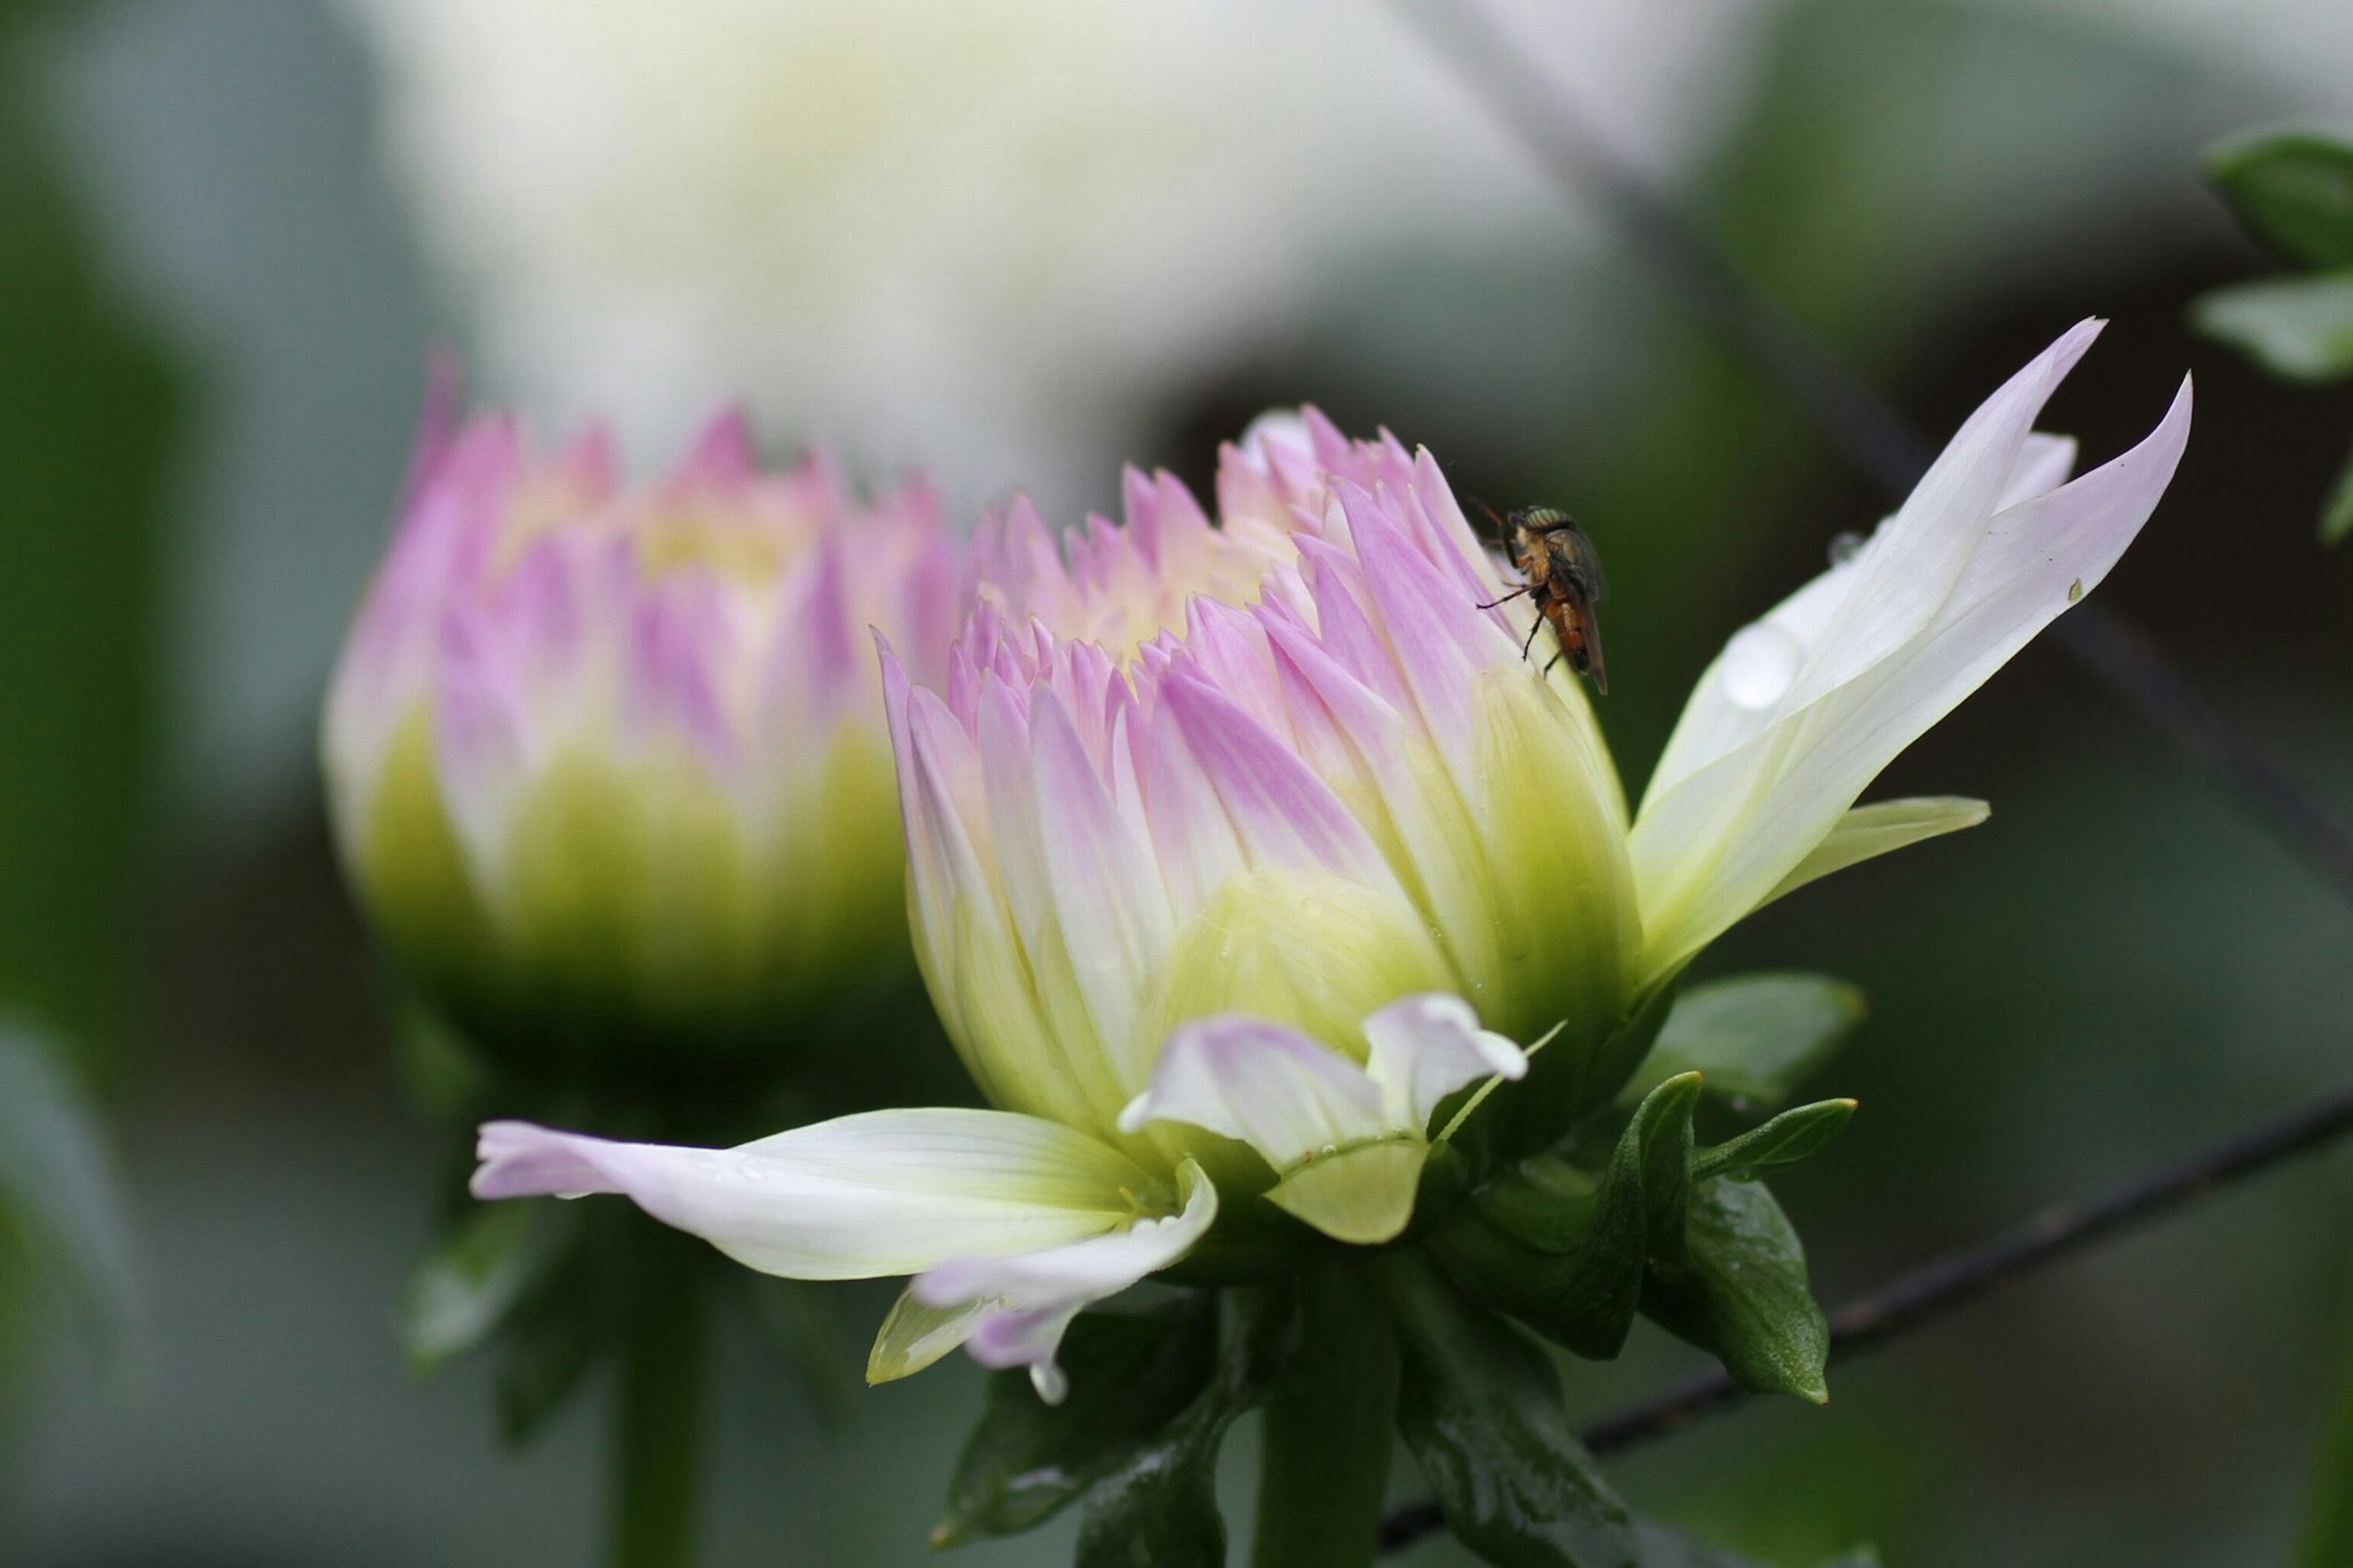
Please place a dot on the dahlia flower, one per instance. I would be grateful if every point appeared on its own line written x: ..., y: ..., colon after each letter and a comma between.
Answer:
x: 1236, y: 851
x: 609, y: 765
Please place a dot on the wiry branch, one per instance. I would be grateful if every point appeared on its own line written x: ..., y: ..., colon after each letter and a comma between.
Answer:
x: 1956, y: 1281
x: 1848, y: 410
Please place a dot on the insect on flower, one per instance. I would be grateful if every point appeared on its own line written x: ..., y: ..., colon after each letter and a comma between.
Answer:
x: 1560, y: 571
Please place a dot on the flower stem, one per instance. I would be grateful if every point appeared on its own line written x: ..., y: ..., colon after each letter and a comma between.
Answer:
x: 1325, y: 1457
x: 658, y: 1433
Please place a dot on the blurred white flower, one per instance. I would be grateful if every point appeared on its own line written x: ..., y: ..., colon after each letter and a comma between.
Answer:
x: 984, y: 237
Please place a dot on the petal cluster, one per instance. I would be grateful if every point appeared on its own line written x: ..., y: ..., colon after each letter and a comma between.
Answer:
x: 1346, y: 1142
x: 1292, y: 767
x: 612, y: 758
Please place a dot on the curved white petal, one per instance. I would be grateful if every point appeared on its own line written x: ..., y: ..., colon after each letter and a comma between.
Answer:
x: 1868, y: 605
x: 1284, y: 1094
x: 1867, y: 832
x: 1424, y: 1048
x: 1029, y: 1299
x: 1346, y: 1142
x: 1803, y: 709
x: 891, y: 1192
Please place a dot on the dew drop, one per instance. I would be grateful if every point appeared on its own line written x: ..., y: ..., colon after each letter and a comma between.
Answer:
x: 1759, y: 663
x: 1845, y: 547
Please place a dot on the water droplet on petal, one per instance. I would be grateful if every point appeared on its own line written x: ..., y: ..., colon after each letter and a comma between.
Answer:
x: 1759, y: 664
x: 1845, y: 547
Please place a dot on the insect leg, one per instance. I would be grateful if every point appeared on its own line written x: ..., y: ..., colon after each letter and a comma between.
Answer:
x: 1532, y: 636
x: 1508, y: 597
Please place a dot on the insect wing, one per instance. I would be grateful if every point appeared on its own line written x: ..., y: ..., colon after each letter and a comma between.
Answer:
x: 1573, y: 550
x: 1575, y: 609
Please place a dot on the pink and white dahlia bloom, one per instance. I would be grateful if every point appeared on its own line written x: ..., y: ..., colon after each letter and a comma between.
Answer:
x: 1236, y: 851
x: 610, y: 763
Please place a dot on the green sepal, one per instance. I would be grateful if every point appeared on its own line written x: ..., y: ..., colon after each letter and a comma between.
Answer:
x: 1566, y: 1083
x: 1159, y: 1508
x: 1741, y: 1292
x: 1133, y: 1372
x: 1563, y: 1250
x: 1790, y: 1138
x: 443, y: 1072
x: 2292, y: 186
x: 1755, y: 1037
x: 2298, y: 328
x: 1481, y: 1408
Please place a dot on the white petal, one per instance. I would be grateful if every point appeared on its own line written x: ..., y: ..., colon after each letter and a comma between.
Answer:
x: 1906, y: 575
x: 1424, y: 1048
x: 891, y: 1192
x: 2043, y: 464
x: 1034, y: 1295
x: 1865, y: 606
x: 1866, y: 831
x: 1272, y: 1087
x: 1712, y: 843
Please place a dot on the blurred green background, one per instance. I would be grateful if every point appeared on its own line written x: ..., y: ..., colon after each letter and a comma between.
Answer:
x: 227, y: 252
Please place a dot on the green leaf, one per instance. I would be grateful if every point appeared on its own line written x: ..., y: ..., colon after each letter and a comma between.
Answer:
x: 1159, y: 1508
x: 58, y: 1199
x: 1133, y: 1373
x: 1755, y: 1037
x: 2299, y: 328
x: 459, y: 1294
x: 1563, y: 1250
x: 2336, y: 517
x: 1481, y: 1409
x: 1788, y: 1138
x: 2293, y: 188
x: 1743, y: 1295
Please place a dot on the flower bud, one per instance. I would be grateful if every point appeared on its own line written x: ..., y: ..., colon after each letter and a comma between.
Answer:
x: 608, y: 767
